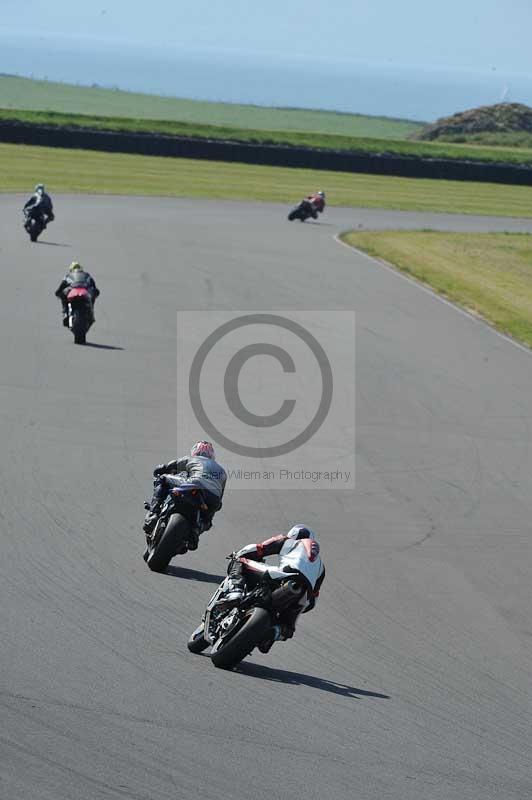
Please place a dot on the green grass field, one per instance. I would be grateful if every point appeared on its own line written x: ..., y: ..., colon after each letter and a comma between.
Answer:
x: 488, y: 273
x: 42, y: 102
x: 23, y: 93
x: 22, y: 166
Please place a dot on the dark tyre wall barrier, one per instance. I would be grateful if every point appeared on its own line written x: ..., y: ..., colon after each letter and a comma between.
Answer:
x: 272, y: 155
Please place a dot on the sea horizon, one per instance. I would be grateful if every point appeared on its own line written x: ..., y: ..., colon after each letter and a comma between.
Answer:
x: 410, y: 92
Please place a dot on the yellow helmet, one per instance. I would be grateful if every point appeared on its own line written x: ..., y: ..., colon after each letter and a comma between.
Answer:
x: 75, y: 265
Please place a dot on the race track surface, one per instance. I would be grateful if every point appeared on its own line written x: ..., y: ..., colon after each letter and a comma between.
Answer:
x: 411, y: 679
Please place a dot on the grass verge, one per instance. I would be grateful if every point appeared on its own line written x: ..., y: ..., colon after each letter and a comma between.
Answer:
x: 308, y: 138
x: 21, y: 166
x: 489, y: 274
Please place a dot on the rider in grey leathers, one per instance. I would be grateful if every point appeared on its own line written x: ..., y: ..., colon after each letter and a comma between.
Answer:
x: 199, y: 468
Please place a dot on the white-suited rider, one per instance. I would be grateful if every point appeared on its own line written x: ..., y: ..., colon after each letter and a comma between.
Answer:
x: 298, y: 551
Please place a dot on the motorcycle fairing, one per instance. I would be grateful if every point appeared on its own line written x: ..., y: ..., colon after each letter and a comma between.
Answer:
x: 79, y: 292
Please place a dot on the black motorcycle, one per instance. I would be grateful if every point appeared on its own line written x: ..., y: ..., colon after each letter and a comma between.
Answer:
x: 234, y: 630
x: 180, y: 523
x: 34, y: 224
x: 303, y: 211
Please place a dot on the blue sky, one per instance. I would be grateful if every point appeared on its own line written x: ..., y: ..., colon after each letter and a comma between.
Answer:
x: 477, y: 34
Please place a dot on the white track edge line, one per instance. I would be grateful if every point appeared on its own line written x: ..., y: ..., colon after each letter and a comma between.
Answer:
x: 418, y: 284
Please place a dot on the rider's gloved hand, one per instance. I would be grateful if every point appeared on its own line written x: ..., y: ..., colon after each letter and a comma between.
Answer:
x: 160, y: 469
x: 245, y: 551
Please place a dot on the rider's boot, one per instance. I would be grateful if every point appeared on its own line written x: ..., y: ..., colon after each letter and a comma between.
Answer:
x: 266, y: 644
x: 193, y: 539
x: 280, y: 633
x: 236, y: 589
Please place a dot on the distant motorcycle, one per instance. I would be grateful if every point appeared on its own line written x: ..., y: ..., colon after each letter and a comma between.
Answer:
x: 34, y: 224
x: 80, y: 315
x: 234, y: 630
x: 180, y: 523
x: 303, y: 211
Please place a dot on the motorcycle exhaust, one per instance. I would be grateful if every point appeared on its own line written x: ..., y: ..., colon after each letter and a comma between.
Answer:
x: 287, y: 593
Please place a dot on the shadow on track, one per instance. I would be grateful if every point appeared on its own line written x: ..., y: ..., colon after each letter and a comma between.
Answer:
x: 102, y: 346
x: 193, y: 575
x: 319, y: 223
x: 54, y: 244
x: 299, y: 678
x: 314, y: 224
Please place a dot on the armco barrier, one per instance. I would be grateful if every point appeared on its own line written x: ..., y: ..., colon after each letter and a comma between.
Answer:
x: 272, y: 155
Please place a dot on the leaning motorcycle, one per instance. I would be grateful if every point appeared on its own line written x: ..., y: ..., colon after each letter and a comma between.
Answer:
x: 79, y: 309
x: 178, y: 526
x: 234, y: 630
x: 303, y: 211
x: 34, y: 224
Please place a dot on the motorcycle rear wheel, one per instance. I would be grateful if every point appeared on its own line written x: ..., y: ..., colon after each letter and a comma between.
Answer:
x: 79, y: 328
x: 227, y: 653
x: 172, y: 540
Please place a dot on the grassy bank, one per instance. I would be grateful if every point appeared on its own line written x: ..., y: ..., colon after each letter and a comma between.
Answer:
x: 24, y: 93
x: 520, y: 139
x: 88, y: 171
x: 487, y: 273
x: 309, y: 138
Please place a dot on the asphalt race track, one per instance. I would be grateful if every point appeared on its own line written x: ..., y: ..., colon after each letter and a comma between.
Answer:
x: 412, y: 677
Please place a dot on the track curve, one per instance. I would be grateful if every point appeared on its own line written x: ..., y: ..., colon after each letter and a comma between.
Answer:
x: 411, y: 679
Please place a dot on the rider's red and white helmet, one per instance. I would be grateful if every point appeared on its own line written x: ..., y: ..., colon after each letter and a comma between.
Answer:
x: 301, y: 532
x: 204, y: 449
x: 307, y: 539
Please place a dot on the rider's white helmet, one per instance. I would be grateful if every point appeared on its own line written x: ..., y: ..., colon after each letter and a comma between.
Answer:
x: 301, y: 532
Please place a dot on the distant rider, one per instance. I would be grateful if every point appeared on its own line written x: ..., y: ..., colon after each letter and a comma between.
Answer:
x: 317, y: 203
x: 199, y: 468
x: 40, y: 204
x: 76, y: 278
x: 298, y: 551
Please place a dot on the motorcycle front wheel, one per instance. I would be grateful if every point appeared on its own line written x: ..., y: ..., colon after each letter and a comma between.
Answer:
x: 197, y: 642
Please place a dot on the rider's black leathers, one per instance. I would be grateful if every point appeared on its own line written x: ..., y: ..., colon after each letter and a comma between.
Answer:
x: 75, y: 280
x: 40, y: 204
